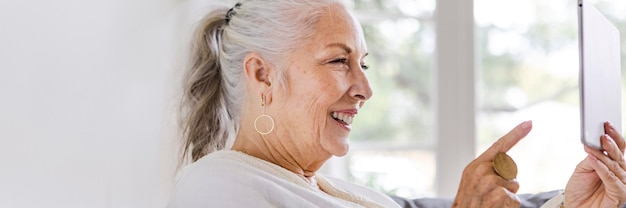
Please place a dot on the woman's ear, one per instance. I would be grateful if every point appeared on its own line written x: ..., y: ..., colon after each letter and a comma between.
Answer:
x: 258, y: 72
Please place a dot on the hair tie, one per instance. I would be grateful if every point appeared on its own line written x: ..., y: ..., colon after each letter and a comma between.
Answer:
x: 232, y: 12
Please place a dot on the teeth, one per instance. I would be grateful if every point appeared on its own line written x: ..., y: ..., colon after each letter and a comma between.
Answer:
x: 346, y: 118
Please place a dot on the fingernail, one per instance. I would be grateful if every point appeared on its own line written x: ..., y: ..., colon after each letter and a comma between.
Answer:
x: 527, y: 124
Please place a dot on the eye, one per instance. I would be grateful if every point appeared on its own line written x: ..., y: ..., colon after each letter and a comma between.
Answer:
x: 339, y: 61
x: 345, y: 61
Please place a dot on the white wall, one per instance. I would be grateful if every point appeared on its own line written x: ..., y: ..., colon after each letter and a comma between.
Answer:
x: 87, y: 95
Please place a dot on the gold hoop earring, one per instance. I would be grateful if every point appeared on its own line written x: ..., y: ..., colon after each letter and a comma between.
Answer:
x: 264, y: 115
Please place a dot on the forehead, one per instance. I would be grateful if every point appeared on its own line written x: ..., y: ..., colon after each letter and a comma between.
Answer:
x: 339, y: 26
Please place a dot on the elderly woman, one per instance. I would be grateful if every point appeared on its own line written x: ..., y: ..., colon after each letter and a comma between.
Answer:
x: 273, y: 88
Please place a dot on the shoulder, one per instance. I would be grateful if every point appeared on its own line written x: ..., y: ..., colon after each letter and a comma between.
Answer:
x: 215, y: 181
x: 218, y: 165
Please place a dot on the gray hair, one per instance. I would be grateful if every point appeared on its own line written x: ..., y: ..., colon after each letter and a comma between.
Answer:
x: 215, y: 87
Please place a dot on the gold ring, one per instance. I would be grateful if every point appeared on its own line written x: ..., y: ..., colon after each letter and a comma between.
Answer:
x: 504, y: 166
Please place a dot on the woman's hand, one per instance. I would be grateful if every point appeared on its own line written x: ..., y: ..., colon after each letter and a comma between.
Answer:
x: 481, y: 186
x: 600, y: 179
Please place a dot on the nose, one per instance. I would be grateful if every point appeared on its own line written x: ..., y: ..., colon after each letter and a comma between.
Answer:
x: 360, y: 89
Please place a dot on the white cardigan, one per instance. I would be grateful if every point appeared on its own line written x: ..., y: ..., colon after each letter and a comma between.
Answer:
x: 233, y: 179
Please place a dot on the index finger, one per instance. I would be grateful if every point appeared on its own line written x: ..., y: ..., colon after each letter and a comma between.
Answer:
x: 506, y: 142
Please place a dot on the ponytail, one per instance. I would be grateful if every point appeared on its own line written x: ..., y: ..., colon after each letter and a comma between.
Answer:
x: 207, y: 123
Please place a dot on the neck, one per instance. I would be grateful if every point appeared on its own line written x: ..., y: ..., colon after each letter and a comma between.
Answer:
x: 301, y: 162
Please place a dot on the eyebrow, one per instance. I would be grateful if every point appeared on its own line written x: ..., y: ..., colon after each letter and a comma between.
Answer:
x: 340, y: 45
x: 344, y: 47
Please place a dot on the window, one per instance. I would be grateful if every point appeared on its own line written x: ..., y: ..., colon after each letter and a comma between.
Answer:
x: 529, y: 71
x: 393, y: 144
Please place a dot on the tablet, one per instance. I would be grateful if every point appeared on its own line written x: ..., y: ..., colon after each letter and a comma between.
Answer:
x: 600, y: 74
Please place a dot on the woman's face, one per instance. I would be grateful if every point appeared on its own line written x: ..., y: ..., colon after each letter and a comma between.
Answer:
x: 325, y: 88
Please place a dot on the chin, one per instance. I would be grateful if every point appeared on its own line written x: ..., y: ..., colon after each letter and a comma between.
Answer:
x: 340, y: 149
x: 341, y: 154
x: 335, y: 145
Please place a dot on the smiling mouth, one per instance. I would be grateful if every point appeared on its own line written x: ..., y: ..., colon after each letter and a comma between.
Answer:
x: 344, y: 118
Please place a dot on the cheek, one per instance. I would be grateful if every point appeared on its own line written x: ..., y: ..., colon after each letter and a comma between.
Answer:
x: 331, y: 88
x: 317, y: 100
x: 309, y: 96
x: 315, y: 93
x: 314, y: 112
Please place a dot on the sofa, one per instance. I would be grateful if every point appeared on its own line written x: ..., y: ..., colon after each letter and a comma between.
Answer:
x: 528, y: 201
